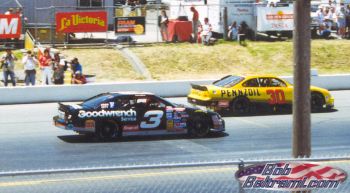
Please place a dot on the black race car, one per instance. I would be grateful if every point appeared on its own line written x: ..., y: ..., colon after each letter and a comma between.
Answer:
x: 113, y: 115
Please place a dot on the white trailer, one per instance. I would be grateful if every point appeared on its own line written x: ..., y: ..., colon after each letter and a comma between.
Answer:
x: 238, y: 10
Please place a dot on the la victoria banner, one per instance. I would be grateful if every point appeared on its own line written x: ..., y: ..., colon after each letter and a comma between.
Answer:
x: 10, y: 26
x: 70, y: 22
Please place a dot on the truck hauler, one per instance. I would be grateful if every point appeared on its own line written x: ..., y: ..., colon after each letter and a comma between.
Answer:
x: 238, y: 10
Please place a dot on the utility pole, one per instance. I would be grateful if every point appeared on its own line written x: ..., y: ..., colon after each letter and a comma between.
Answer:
x: 302, y: 95
x: 225, y: 24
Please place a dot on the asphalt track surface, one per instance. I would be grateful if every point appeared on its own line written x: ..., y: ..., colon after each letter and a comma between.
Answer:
x: 29, y: 141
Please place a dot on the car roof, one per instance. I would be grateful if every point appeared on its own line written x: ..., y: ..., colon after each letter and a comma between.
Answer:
x: 132, y: 93
x: 260, y: 76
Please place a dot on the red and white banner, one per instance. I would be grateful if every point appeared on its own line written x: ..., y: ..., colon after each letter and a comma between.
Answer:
x: 275, y: 18
x: 67, y: 22
x: 10, y: 26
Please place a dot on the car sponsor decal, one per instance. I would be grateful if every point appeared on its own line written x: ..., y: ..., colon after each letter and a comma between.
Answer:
x: 131, y: 128
x: 170, y: 125
x: 241, y: 92
x: 180, y: 125
x: 129, y: 115
x: 111, y: 105
x: 169, y: 116
x: 89, y: 124
x: 293, y: 176
x: 104, y: 106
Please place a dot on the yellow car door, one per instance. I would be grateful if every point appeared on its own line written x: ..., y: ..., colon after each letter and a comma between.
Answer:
x: 278, y: 92
x: 252, y: 86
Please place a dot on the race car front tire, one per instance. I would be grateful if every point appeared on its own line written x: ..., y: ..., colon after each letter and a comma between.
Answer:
x: 199, y: 126
x: 317, y: 101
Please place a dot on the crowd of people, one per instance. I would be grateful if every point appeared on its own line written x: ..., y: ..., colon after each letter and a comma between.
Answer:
x: 332, y: 17
x: 52, y: 68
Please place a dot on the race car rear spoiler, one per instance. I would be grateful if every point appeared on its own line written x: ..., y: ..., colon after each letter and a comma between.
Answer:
x: 199, y: 87
x: 63, y: 107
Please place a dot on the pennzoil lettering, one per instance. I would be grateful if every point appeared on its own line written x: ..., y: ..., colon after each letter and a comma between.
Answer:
x: 242, y: 92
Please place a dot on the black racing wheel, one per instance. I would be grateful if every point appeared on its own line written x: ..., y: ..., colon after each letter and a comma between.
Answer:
x: 317, y: 101
x: 199, y: 126
x: 240, y: 106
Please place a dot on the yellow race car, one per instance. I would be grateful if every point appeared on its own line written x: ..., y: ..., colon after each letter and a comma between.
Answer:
x: 241, y: 95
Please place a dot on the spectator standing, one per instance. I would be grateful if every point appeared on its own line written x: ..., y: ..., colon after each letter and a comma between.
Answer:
x: 78, y: 78
x: 163, y: 25
x: 347, y: 15
x: 341, y: 21
x: 233, y: 31
x: 9, y: 11
x: 195, y: 23
x: 19, y: 11
x: 60, y: 66
x: 29, y: 62
x: 243, y: 32
x: 45, y: 62
x: 8, y: 65
x: 206, y: 32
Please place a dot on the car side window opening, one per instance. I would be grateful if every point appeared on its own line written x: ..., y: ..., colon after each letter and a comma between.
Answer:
x: 264, y: 82
x: 228, y: 81
x: 251, y: 83
x: 155, y: 103
x: 123, y: 103
x: 274, y: 82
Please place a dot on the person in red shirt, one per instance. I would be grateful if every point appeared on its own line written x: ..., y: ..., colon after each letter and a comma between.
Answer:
x: 45, y: 62
x: 195, y: 23
x: 78, y: 78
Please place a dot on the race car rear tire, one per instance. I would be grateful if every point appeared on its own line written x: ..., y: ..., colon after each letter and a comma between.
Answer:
x: 317, y: 102
x: 240, y: 106
x: 199, y: 127
x: 107, y: 131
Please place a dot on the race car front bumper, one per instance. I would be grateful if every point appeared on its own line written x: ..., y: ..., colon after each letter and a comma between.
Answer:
x: 330, y: 103
x: 219, y: 126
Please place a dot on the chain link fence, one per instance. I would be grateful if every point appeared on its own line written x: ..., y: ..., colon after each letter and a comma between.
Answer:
x: 202, y: 177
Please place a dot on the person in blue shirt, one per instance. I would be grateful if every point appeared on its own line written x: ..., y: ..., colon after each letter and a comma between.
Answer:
x: 76, y: 66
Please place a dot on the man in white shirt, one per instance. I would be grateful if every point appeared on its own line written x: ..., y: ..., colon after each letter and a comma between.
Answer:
x: 29, y: 61
x: 206, y: 32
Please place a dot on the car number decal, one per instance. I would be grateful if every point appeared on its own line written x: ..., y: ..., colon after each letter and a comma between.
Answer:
x: 154, y: 118
x: 277, y: 97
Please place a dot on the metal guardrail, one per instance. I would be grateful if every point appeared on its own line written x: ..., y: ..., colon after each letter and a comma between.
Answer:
x: 167, y: 165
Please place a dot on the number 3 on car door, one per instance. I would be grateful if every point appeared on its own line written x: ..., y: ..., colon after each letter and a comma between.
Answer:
x: 153, y: 119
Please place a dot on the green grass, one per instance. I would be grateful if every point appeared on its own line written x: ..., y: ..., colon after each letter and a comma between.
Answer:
x: 191, y: 61
x: 107, y: 64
